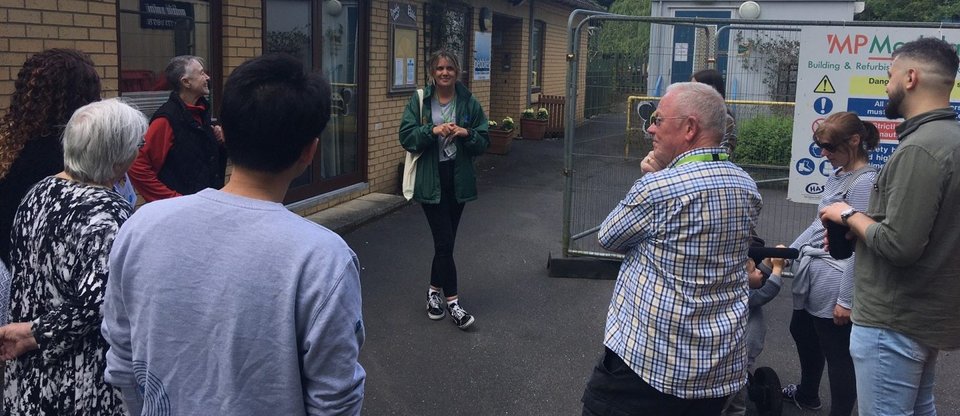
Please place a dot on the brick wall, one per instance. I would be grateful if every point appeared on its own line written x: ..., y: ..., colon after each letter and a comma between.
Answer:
x: 28, y: 27
x: 242, y: 32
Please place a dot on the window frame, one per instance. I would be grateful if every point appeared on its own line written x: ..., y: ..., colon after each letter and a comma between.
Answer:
x: 213, y: 64
x: 534, y: 89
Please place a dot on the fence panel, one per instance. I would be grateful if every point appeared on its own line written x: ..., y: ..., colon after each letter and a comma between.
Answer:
x: 605, y: 153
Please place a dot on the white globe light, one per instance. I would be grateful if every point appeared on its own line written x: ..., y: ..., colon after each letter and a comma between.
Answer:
x: 749, y: 10
x: 333, y: 7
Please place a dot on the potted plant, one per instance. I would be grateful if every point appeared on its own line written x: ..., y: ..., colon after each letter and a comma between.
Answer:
x: 533, y: 123
x: 501, y: 136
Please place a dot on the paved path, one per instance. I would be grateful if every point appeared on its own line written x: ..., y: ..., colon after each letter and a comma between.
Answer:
x: 536, y: 338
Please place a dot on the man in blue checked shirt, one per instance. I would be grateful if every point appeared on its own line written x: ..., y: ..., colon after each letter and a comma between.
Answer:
x: 676, y: 321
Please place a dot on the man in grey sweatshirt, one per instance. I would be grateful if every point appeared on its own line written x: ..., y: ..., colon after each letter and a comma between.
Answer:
x: 226, y: 303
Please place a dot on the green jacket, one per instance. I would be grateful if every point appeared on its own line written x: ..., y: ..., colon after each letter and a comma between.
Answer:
x: 416, y: 136
x: 907, y: 268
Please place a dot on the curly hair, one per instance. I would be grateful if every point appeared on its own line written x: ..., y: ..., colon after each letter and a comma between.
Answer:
x: 49, y: 88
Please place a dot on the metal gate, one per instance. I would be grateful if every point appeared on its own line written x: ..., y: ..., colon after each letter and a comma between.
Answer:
x: 759, y: 60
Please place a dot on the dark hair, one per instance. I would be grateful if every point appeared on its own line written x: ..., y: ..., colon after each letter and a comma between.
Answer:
x: 713, y: 78
x: 839, y: 127
x: 939, y: 54
x: 271, y: 110
x: 177, y: 68
x: 435, y: 58
x: 50, y: 86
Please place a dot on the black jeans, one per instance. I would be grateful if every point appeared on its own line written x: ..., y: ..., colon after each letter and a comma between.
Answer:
x: 615, y: 390
x: 444, y: 218
x: 818, y: 339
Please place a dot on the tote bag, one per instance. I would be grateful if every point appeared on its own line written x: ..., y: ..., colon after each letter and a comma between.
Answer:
x: 410, y: 164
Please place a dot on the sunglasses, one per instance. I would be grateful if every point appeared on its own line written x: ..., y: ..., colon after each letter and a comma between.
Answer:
x: 830, y: 147
x: 657, y: 120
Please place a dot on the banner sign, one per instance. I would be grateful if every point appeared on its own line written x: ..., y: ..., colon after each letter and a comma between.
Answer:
x: 845, y: 69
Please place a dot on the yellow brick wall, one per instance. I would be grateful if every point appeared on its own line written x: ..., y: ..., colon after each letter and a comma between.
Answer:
x: 242, y: 32
x: 555, y: 54
x: 28, y: 27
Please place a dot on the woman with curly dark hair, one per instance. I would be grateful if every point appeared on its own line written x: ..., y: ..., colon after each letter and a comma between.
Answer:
x: 49, y: 88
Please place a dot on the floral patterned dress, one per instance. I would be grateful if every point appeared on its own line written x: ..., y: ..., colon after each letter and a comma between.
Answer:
x: 61, y: 242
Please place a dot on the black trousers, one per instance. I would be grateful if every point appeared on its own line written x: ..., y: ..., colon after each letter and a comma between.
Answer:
x: 444, y: 218
x: 819, y: 340
x: 615, y: 390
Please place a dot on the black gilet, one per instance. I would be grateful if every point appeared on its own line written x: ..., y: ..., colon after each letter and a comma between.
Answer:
x: 195, y: 160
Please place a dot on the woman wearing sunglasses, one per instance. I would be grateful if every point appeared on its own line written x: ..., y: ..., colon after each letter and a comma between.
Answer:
x: 823, y: 286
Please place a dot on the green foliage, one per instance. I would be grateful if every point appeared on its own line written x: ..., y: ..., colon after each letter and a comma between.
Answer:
x: 507, y: 123
x: 625, y: 38
x: 764, y: 140
x: 529, y: 113
x: 910, y: 10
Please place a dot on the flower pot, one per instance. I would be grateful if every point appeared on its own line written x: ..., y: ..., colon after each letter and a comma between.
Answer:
x: 500, y: 141
x: 533, y: 129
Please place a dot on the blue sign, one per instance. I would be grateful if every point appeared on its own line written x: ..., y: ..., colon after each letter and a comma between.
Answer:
x: 868, y: 107
x: 806, y: 166
x: 823, y: 105
x: 879, y: 156
x: 815, y: 150
x: 826, y: 168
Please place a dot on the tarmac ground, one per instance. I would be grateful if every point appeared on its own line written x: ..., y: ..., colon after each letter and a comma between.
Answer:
x: 536, y: 338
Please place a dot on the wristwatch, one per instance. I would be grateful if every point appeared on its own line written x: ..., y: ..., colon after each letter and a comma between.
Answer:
x: 845, y: 215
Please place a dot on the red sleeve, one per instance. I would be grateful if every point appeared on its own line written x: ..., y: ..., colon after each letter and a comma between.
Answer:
x: 143, y: 172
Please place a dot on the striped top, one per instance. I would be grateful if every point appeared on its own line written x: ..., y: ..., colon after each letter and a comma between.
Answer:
x: 679, y: 305
x: 829, y: 286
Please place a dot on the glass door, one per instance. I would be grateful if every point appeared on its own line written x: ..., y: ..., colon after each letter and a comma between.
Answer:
x: 326, y: 36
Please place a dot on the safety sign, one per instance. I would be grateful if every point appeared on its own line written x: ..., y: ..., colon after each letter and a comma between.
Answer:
x: 823, y: 105
x: 825, y: 86
x: 845, y: 69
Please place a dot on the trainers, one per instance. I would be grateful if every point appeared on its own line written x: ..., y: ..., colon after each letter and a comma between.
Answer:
x: 790, y: 393
x: 460, y: 316
x: 435, y: 306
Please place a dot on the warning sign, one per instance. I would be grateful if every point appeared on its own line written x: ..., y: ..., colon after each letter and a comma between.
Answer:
x: 825, y: 86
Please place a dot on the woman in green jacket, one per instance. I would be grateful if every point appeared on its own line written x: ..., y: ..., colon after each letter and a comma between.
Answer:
x: 448, y: 129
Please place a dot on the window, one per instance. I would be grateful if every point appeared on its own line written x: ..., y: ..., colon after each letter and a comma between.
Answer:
x: 536, y: 55
x: 450, y: 29
x: 152, y: 32
x: 403, y: 47
x: 326, y: 36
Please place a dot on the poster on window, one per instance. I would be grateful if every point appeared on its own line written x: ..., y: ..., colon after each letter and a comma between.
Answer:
x: 481, y: 56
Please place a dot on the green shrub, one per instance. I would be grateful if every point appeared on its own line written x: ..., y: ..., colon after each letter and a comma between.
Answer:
x: 764, y: 140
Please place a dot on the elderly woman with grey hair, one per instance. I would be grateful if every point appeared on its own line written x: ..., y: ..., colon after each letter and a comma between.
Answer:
x: 61, y: 239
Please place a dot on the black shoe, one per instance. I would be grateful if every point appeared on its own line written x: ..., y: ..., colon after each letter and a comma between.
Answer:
x: 435, y: 306
x: 790, y: 393
x: 460, y: 316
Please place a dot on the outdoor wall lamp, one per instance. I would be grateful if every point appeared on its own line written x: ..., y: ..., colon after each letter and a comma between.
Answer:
x: 333, y: 7
x: 749, y: 10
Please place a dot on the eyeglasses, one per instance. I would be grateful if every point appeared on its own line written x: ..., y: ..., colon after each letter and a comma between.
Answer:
x: 656, y: 119
x: 830, y: 147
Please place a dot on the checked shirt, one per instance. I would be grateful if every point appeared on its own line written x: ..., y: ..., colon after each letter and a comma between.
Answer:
x: 679, y: 305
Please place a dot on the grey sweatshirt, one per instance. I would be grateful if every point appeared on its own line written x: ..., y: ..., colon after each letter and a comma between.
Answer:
x: 222, y: 305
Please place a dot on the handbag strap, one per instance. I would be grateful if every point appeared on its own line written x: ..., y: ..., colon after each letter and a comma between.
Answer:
x: 420, y: 97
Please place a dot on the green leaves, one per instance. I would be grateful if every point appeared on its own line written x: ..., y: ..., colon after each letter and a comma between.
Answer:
x: 910, y: 10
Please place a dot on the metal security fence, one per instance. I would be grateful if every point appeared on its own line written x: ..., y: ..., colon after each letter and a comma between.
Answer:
x: 632, y: 59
